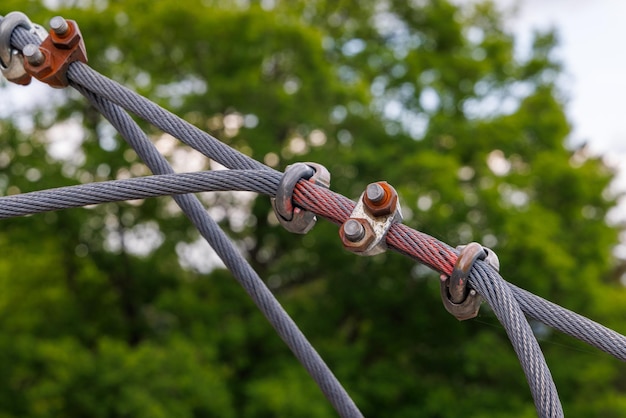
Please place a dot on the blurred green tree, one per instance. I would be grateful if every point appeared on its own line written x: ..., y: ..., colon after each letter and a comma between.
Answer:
x: 119, y: 310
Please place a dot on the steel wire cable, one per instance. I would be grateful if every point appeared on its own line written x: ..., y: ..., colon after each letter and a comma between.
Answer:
x: 161, y: 118
x: 571, y: 323
x: 441, y: 258
x: 100, y: 85
x: 191, y: 206
x: 505, y: 298
x: 136, y: 188
x: 285, y: 327
x: 501, y: 299
x: 490, y: 285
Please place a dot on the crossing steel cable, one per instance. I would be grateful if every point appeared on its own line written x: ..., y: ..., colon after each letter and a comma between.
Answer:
x: 507, y: 300
x: 83, y: 75
x: 285, y: 327
x: 191, y: 206
x: 482, y: 278
x: 135, y: 188
x: 102, y: 86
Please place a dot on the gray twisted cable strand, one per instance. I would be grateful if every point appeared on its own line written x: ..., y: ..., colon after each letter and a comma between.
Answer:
x: 243, y: 273
x: 161, y: 118
x: 206, y: 151
x: 581, y: 327
x: 500, y: 297
x: 285, y: 327
x: 571, y: 323
x: 83, y: 75
x: 136, y: 188
x: 549, y: 313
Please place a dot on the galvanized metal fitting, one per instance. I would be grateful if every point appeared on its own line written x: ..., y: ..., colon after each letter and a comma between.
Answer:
x: 291, y: 217
x: 459, y: 299
x: 64, y: 46
x: 11, y: 60
x: 377, y: 209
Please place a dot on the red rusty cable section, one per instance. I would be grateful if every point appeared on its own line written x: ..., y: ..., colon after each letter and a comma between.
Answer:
x: 400, y: 238
x: 323, y: 202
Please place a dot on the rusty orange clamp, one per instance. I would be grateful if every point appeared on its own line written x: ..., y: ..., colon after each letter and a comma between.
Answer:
x: 49, y: 62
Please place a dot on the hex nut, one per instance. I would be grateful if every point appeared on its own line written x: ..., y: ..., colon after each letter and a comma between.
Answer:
x: 353, y: 230
x: 69, y: 38
x: 386, y: 206
x: 42, y: 69
x: 59, y: 26
x: 362, y: 244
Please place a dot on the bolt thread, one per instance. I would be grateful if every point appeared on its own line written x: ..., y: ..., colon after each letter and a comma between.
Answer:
x: 33, y: 54
x: 59, y: 25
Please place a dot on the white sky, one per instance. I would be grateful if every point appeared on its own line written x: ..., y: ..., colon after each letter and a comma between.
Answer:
x: 592, y: 36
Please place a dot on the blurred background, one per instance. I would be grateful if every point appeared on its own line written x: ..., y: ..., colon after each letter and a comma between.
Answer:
x: 120, y: 310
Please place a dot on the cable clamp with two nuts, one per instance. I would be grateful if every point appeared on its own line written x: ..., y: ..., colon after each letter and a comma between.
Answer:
x: 364, y: 233
x: 50, y: 61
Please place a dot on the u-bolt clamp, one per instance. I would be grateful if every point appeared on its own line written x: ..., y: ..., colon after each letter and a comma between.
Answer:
x: 291, y: 217
x: 12, y: 60
x: 458, y: 299
x: 377, y: 209
x: 49, y: 61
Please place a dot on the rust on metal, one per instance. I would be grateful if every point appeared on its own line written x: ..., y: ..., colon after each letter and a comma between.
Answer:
x: 458, y: 279
x: 382, y: 206
x: 377, y: 210
x: 362, y: 244
x: 59, y: 51
x: 458, y: 299
x: 291, y: 217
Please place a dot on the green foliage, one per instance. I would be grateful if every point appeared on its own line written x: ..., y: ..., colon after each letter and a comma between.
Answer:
x: 107, y: 312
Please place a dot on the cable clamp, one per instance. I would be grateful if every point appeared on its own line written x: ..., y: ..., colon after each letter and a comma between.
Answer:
x: 291, y: 217
x: 49, y: 61
x: 458, y: 299
x: 11, y: 59
x: 377, y: 209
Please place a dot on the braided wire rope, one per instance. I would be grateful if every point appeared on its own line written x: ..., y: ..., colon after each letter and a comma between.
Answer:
x: 136, y: 188
x: 441, y: 258
x: 83, y: 75
x: 484, y: 279
x: 508, y: 301
x: 285, y: 327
